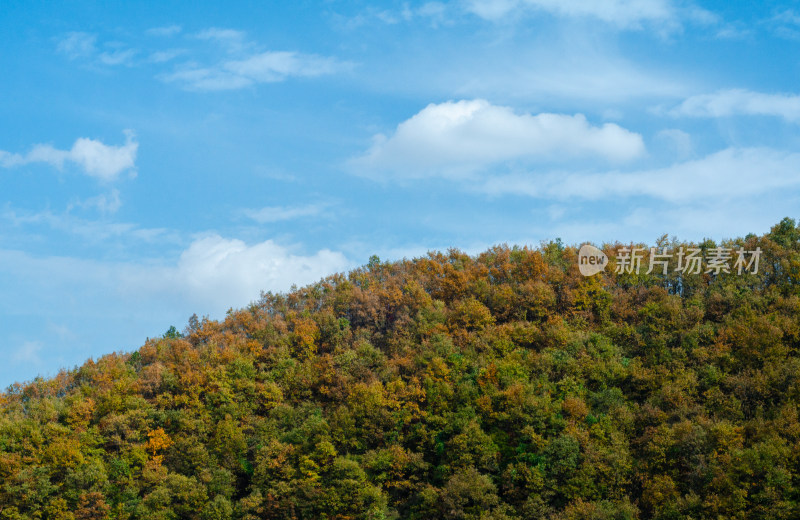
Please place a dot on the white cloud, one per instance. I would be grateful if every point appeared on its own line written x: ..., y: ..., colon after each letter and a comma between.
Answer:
x: 244, y: 63
x: 645, y: 222
x: 245, y: 67
x: 572, y: 68
x: 265, y: 67
x: 456, y: 139
x: 730, y: 174
x: 679, y: 141
x: 210, y: 276
x: 623, y: 14
x: 434, y: 13
x: 61, y: 331
x: 114, y: 305
x: 228, y: 272
x: 281, y: 213
x: 77, y: 45
x: 168, y: 30
x: 492, y: 9
x: 740, y: 102
x: 626, y: 14
x: 118, y: 57
x: 218, y: 34
x: 28, y: 353
x: 230, y: 39
x: 207, y: 78
x: 9, y: 160
x: 276, y: 66
x: 96, y: 159
x: 432, y: 9
x: 785, y: 24
x: 574, y: 71
x: 92, y: 231
x: 80, y: 45
x: 165, y: 56
x: 104, y: 203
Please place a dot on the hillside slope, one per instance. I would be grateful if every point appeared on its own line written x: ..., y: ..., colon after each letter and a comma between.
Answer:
x: 495, y: 387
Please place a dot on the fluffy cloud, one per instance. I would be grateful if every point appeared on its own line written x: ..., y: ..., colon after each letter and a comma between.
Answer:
x: 104, y: 162
x: 228, y: 272
x: 730, y: 174
x: 210, y: 276
x: 456, y: 139
x: 114, y: 305
x: 740, y: 102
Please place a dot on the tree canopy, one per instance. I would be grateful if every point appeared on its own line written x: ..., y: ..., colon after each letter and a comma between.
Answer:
x: 498, y: 386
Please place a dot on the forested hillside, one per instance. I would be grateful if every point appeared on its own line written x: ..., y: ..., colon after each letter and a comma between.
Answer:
x: 501, y: 386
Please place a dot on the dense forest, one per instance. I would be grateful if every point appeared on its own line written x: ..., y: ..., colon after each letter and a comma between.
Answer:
x: 499, y: 386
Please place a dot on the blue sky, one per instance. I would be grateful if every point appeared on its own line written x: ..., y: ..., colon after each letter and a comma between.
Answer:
x: 164, y: 159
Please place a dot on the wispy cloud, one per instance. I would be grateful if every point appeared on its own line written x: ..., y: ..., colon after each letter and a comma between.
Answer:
x: 77, y: 45
x: 646, y: 220
x: 434, y: 13
x: 619, y: 12
x: 665, y: 16
x: 244, y: 62
x: 725, y: 103
x: 167, y: 30
x: 83, y: 46
x: 625, y: 14
x: 246, y: 65
x: 679, y: 141
x: 93, y: 231
x: 282, y: 213
x: 277, y: 66
x: 105, y: 203
x: 230, y: 39
x: 568, y: 68
x: 28, y: 352
x: 730, y: 174
x: 117, y: 57
x: 456, y: 139
x: 192, y: 77
x: 786, y: 24
x: 165, y: 56
x: 265, y: 67
x: 104, y: 162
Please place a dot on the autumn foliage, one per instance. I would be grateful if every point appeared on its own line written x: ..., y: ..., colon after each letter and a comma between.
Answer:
x: 501, y: 386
